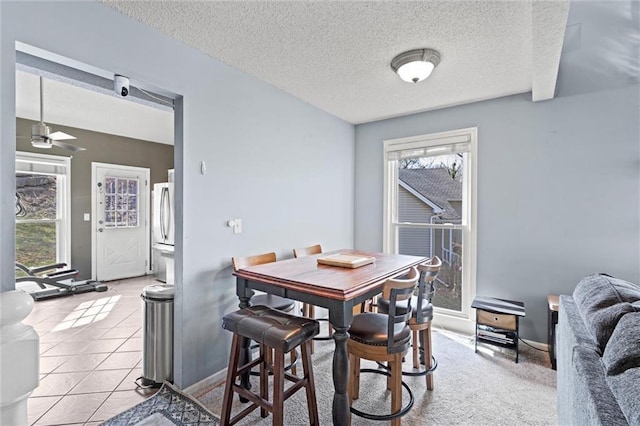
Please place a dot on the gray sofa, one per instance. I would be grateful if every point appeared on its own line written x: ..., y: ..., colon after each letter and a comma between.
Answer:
x: 598, y: 353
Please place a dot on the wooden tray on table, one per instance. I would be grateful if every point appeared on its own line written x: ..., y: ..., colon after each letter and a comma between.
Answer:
x: 346, y: 260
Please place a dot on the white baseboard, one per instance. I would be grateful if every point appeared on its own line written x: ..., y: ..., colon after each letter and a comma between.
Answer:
x: 462, y: 329
x: 211, y: 381
x: 467, y: 327
x: 454, y: 323
x: 207, y: 382
x: 219, y: 377
x: 537, y: 345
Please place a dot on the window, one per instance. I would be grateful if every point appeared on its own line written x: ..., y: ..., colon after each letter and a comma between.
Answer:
x: 42, y: 209
x: 430, y: 210
x: 121, y: 202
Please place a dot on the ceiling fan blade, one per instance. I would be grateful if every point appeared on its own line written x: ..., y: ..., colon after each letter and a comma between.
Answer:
x: 60, y: 136
x: 68, y: 146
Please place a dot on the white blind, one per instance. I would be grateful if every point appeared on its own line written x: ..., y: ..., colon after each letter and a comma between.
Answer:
x: 420, y: 149
x: 48, y: 165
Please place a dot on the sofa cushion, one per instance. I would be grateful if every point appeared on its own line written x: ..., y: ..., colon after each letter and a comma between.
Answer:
x: 594, y: 402
x: 623, y: 349
x: 602, y: 300
x: 571, y: 333
x: 624, y: 387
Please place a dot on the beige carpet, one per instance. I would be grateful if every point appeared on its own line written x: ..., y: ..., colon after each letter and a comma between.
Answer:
x: 486, y: 388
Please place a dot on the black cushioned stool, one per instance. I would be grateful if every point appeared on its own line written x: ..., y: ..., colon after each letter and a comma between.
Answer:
x: 280, y: 332
x: 420, y: 321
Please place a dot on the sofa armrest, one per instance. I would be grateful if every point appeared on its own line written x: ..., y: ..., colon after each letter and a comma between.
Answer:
x: 583, y: 394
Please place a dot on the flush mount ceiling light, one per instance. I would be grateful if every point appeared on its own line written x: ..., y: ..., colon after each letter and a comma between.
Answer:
x: 415, y: 65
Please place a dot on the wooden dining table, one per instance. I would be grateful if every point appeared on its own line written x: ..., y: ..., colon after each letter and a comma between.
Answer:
x: 338, y: 289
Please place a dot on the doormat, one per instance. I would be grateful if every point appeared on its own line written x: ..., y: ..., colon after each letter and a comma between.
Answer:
x: 169, y: 406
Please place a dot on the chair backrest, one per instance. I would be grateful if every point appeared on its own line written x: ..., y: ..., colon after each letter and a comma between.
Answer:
x: 428, y: 274
x: 307, y: 251
x: 394, y: 290
x: 259, y: 259
x: 430, y: 268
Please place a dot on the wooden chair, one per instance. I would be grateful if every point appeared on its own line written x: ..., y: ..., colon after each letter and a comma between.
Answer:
x: 421, y: 319
x: 269, y: 300
x: 309, y: 310
x: 307, y: 251
x: 275, y: 331
x: 384, y: 338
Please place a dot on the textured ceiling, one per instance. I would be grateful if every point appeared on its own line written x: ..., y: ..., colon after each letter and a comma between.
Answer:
x: 74, y: 106
x: 336, y: 55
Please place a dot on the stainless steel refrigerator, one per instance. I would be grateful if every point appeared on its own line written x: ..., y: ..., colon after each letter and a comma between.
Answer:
x: 163, y: 232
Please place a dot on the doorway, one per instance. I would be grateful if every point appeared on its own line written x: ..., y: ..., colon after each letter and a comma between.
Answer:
x: 90, y: 343
x: 120, y: 211
x: 131, y: 143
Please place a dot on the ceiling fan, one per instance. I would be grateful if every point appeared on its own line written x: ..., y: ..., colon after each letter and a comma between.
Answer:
x: 41, y: 136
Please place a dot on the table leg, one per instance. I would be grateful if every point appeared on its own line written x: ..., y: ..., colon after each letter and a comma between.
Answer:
x: 341, y: 410
x: 244, y: 294
x: 245, y: 358
x: 517, y: 338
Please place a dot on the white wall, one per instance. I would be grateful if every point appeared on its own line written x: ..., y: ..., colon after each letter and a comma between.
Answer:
x: 558, y: 181
x: 281, y: 165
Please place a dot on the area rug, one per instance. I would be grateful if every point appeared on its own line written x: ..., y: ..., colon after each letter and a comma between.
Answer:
x: 484, y: 388
x: 169, y: 406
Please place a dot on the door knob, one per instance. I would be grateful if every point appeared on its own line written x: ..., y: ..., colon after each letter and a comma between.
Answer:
x: 100, y: 229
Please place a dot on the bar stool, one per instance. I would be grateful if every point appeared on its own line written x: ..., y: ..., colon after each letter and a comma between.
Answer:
x: 280, y: 332
x: 276, y: 302
x: 553, y: 301
x: 309, y: 310
x: 270, y: 300
x: 420, y: 321
x: 384, y: 338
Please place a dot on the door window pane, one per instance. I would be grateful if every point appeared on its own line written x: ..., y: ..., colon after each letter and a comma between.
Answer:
x: 121, y: 202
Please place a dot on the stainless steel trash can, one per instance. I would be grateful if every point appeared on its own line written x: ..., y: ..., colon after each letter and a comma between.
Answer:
x: 157, y: 338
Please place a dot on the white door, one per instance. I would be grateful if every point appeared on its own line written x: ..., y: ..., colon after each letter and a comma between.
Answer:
x: 120, y: 218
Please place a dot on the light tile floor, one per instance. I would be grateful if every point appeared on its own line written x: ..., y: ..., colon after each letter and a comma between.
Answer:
x: 90, y: 355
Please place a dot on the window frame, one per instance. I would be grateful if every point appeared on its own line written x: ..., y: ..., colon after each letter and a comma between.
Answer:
x: 459, y: 320
x: 63, y: 202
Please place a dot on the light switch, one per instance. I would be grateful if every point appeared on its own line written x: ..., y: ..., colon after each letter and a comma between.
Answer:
x: 87, y: 217
x: 236, y: 224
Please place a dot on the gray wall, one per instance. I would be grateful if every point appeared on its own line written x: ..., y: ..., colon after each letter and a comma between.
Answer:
x: 542, y: 167
x: 102, y: 148
x: 281, y: 165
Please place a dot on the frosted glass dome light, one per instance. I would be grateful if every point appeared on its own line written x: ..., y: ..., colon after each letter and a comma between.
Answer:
x: 415, y: 65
